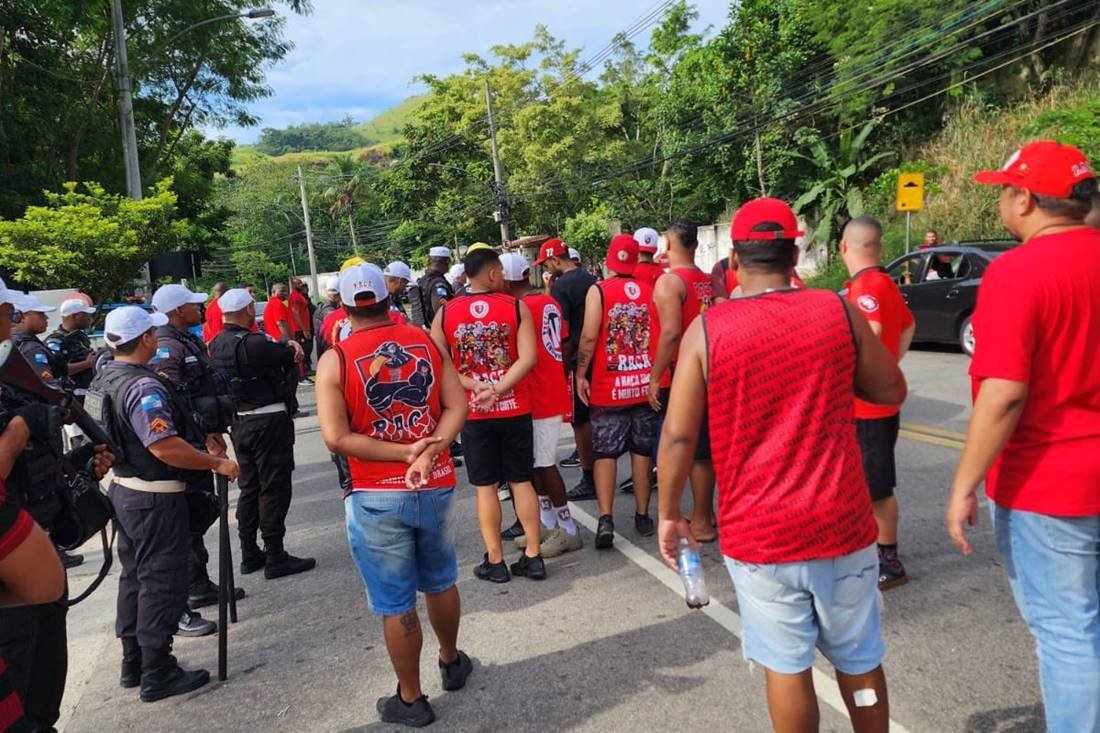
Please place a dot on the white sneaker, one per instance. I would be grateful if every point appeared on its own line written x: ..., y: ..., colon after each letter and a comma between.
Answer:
x: 544, y: 534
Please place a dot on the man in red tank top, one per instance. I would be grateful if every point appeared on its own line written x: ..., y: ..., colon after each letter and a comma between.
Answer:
x: 488, y: 336
x: 681, y: 296
x: 647, y: 271
x: 389, y: 401
x: 618, y: 342
x: 777, y: 371
x: 550, y: 400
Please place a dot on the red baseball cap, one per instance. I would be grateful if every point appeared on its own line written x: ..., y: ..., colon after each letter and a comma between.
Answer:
x: 551, y: 248
x: 1045, y: 167
x: 763, y: 210
x: 622, y: 254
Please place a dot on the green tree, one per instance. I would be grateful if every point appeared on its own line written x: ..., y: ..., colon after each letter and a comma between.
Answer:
x: 589, y: 232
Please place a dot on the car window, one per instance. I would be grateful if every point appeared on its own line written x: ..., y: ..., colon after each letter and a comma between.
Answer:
x: 947, y: 266
x: 906, y: 270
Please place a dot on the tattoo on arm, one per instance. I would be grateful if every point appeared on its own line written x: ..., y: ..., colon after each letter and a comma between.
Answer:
x: 410, y: 621
x: 584, y: 360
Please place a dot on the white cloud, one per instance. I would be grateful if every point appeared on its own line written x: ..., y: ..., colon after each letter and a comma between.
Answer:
x: 359, y: 57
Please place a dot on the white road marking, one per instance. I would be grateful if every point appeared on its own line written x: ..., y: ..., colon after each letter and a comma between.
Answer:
x: 824, y: 685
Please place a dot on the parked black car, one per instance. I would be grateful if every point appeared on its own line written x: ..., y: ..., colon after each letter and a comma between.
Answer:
x: 940, y: 284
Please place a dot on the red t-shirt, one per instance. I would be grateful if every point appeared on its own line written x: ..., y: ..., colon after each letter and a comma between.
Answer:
x: 275, y: 311
x: 648, y: 272
x: 299, y: 306
x: 780, y: 383
x: 1038, y: 322
x: 212, y: 326
x: 626, y: 345
x: 546, y: 382
x: 391, y: 376
x: 877, y: 296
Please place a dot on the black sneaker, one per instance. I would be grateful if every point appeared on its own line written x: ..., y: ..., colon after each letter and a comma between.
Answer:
x: 455, y: 673
x: 516, y: 530
x: 533, y: 568
x: 573, y: 461
x: 456, y: 449
x: 493, y: 572
x: 176, y: 681
x: 891, y: 573
x: 206, y: 594
x: 605, y: 532
x: 643, y: 525
x: 192, y: 624
x: 284, y: 564
x: 627, y: 486
x: 457, y: 462
x: 71, y: 561
x: 415, y: 714
x: 583, y: 491
x: 252, y: 560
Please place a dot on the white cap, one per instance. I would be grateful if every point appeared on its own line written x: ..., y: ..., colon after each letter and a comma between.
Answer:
x: 456, y: 270
x: 516, y: 267
x: 129, y: 322
x: 14, y: 297
x: 439, y: 252
x: 32, y: 304
x: 72, y: 306
x: 574, y: 254
x: 236, y: 299
x: 399, y: 269
x: 362, y: 285
x: 332, y: 285
x: 646, y: 239
x: 173, y: 295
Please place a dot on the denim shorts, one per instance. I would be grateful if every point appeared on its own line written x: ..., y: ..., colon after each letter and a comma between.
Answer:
x: 789, y: 609
x: 402, y: 542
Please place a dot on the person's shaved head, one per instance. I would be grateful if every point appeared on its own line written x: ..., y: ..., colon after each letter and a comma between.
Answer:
x: 863, y: 234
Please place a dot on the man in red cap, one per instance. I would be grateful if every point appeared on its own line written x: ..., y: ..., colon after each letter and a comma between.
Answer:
x: 618, y: 343
x: 776, y: 372
x: 1034, y: 436
x: 647, y: 271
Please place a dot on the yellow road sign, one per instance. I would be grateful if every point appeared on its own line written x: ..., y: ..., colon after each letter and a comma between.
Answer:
x: 910, y: 191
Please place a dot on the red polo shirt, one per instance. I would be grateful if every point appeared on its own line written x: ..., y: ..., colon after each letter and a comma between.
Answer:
x: 879, y: 300
x: 1038, y: 322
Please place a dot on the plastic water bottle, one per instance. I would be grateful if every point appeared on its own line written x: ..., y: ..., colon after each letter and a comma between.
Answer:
x: 691, y: 572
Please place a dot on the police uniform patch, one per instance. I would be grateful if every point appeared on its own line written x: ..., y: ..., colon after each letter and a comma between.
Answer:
x: 46, y: 374
x: 190, y: 359
x: 162, y: 353
x: 151, y: 402
x: 53, y: 346
x: 41, y: 358
x: 158, y: 425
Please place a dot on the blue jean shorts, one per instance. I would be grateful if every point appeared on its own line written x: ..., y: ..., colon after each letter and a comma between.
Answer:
x: 402, y: 542
x: 789, y: 609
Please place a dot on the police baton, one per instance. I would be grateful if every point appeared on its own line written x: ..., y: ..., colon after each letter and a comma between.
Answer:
x: 227, y: 593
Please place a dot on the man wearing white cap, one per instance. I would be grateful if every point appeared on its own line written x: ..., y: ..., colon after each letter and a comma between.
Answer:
x: 262, y: 377
x: 72, y: 344
x: 33, y: 321
x: 162, y: 448
x: 646, y: 270
x: 182, y: 358
x: 330, y: 304
x: 575, y: 256
x: 432, y: 289
x: 457, y: 276
x: 398, y: 275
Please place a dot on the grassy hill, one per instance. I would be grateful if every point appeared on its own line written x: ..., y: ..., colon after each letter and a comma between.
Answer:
x: 386, y: 127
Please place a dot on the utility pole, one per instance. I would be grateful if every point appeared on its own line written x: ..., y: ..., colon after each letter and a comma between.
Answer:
x: 126, y: 105
x: 501, y: 196
x: 309, y: 235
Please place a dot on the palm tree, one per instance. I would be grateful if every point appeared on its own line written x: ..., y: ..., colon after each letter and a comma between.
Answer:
x: 344, y: 192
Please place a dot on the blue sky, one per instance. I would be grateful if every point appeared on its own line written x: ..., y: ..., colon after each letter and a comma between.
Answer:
x: 358, y: 57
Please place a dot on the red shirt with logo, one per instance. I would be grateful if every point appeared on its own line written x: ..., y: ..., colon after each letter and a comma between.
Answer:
x: 1040, y: 324
x: 698, y: 296
x: 275, y: 311
x: 297, y: 304
x: 391, y: 378
x: 877, y: 297
x: 780, y: 387
x: 480, y: 329
x: 546, y: 382
x: 626, y: 345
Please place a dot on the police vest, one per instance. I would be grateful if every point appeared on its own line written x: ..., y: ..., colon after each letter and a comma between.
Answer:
x: 38, y: 356
x: 250, y: 385
x: 106, y: 402
x: 71, y: 346
x: 205, y: 389
x: 37, y: 478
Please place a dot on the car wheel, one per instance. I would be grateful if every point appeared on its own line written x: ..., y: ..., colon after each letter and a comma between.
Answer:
x: 966, y: 336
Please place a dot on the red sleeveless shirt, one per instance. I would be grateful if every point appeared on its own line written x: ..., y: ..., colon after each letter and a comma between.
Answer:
x: 780, y: 381
x: 626, y: 345
x: 699, y: 296
x: 391, y: 378
x: 480, y: 329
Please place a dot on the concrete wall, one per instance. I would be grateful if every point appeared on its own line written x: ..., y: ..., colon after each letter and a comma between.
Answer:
x: 715, y: 244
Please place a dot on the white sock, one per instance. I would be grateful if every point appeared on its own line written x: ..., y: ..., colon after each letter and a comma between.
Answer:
x: 565, y: 519
x: 546, y: 512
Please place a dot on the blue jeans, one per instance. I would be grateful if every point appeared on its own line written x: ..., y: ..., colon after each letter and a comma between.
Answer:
x: 402, y: 542
x: 1053, y: 565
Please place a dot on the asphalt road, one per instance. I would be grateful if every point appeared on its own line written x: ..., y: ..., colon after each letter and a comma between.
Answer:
x: 605, y: 644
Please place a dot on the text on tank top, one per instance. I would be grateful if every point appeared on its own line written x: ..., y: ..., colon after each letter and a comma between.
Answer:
x: 391, y: 377
x: 698, y: 296
x: 626, y: 345
x: 780, y: 381
x: 481, y: 330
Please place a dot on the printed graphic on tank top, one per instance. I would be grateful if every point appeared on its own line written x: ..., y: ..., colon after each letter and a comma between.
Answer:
x: 628, y: 339
x: 481, y: 329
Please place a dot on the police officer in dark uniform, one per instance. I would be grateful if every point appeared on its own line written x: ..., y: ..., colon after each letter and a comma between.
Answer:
x: 25, y: 333
x: 33, y: 639
x: 262, y: 377
x: 181, y: 358
x: 162, y: 451
x: 70, y: 342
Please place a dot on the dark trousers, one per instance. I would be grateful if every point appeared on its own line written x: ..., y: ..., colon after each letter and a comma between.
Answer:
x: 199, y: 558
x: 153, y: 549
x: 33, y: 643
x: 265, y: 451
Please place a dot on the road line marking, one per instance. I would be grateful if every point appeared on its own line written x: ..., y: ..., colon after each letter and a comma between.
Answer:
x: 824, y: 686
x: 929, y: 430
x: 931, y: 439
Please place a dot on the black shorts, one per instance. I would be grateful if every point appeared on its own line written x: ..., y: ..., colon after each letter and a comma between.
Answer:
x: 616, y: 430
x: 877, y: 439
x: 702, y: 448
x: 581, y: 414
x: 499, y: 449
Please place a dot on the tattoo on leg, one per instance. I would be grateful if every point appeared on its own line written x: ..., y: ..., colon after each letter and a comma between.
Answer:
x: 411, y: 622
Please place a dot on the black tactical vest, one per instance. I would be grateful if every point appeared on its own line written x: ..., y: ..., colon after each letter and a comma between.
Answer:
x: 106, y: 402
x: 37, y: 478
x: 250, y: 385
x: 72, y: 346
x: 202, y: 385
